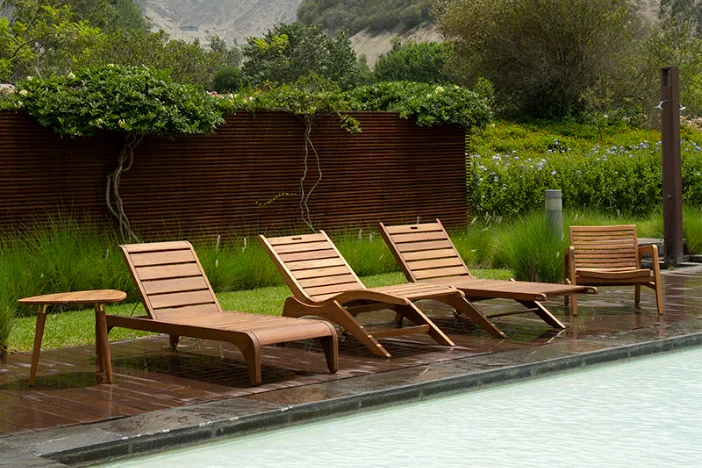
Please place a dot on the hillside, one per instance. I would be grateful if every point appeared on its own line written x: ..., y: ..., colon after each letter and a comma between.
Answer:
x: 232, y: 20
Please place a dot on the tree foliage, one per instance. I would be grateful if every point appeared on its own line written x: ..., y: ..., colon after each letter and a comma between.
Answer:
x: 290, y: 51
x: 425, y: 62
x: 356, y: 15
x: 542, y: 55
x: 683, y: 11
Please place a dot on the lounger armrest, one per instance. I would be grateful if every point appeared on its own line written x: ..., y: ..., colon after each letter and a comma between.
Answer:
x: 366, y: 295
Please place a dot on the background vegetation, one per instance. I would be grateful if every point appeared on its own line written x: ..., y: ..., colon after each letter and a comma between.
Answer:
x: 356, y: 15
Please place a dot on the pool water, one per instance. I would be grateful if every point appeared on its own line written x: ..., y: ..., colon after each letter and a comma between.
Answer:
x: 643, y: 413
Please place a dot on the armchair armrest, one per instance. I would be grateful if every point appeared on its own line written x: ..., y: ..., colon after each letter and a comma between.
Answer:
x: 649, y: 249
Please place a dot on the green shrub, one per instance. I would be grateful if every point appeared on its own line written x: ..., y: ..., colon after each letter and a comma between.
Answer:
x: 136, y: 100
x: 423, y: 62
x: 511, y: 168
x: 227, y: 80
x: 432, y: 105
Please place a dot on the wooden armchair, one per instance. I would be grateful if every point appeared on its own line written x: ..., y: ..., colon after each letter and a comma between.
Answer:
x: 610, y: 256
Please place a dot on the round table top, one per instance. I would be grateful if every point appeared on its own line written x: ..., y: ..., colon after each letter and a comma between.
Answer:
x: 97, y: 296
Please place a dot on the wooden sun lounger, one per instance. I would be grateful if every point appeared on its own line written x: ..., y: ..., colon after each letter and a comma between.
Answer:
x: 426, y: 254
x: 180, y: 302
x: 611, y: 256
x: 323, y: 284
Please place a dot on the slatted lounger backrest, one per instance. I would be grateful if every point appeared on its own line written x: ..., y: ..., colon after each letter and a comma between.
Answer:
x: 311, y: 265
x: 424, y: 251
x: 605, y: 246
x: 169, y: 277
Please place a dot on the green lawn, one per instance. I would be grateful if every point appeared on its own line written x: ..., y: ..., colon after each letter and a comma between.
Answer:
x: 77, y: 328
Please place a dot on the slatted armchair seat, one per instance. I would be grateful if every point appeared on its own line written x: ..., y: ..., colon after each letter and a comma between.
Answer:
x: 611, y: 256
x: 324, y: 285
x: 427, y: 255
x: 179, y: 302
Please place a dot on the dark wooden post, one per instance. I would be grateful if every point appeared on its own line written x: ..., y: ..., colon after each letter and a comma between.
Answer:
x: 672, y: 178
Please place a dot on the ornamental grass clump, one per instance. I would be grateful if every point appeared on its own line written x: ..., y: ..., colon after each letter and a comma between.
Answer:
x: 692, y: 229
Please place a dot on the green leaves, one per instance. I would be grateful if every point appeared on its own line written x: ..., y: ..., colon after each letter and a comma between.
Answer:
x: 136, y: 100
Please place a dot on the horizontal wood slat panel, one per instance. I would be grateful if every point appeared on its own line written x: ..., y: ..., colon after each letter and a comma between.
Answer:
x: 232, y: 181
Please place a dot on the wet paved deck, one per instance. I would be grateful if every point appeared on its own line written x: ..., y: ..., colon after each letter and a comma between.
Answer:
x: 149, y: 377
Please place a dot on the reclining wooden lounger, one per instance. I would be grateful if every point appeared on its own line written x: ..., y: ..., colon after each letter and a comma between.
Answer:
x: 323, y: 284
x: 611, y: 256
x: 427, y: 255
x: 180, y: 302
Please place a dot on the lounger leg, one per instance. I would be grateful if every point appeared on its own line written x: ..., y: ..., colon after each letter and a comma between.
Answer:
x: 337, y: 314
x: 104, y: 341
x: 98, y: 348
x: 330, y: 345
x: 543, y: 313
x: 416, y: 316
x: 464, y: 306
x: 637, y: 294
x: 252, y: 356
x: 173, y: 341
x: 398, y: 320
x: 575, y: 305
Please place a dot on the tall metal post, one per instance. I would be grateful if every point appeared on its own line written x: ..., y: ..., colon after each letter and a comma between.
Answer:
x: 672, y: 178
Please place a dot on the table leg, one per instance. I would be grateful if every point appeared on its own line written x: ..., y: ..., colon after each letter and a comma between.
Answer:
x: 38, y: 335
x: 98, y: 347
x: 102, y: 340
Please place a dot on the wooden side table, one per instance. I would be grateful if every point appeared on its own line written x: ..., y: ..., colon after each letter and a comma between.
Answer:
x: 99, y: 298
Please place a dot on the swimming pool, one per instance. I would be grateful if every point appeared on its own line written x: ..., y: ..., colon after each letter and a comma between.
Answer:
x: 639, y: 413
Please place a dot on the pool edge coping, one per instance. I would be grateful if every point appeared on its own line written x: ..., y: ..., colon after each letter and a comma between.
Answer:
x: 287, y: 416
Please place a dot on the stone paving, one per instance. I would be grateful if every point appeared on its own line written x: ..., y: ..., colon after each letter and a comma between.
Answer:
x: 164, y: 399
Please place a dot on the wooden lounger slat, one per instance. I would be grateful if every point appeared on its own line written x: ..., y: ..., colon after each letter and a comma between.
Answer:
x: 161, y: 301
x: 426, y: 227
x: 168, y: 257
x: 154, y: 246
x: 310, y: 247
x: 436, y: 263
x: 321, y: 272
x: 302, y: 239
x: 419, y: 237
x: 310, y: 255
x: 168, y: 271
x: 337, y: 288
x: 439, y: 272
x: 429, y: 254
x: 192, y: 283
x: 314, y: 264
x: 419, y: 246
x: 328, y: 280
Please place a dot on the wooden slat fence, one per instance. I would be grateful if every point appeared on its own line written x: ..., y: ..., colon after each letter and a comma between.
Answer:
x: 393, y: 171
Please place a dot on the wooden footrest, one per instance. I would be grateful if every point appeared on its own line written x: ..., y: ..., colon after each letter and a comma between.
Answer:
x: 390, y: 332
